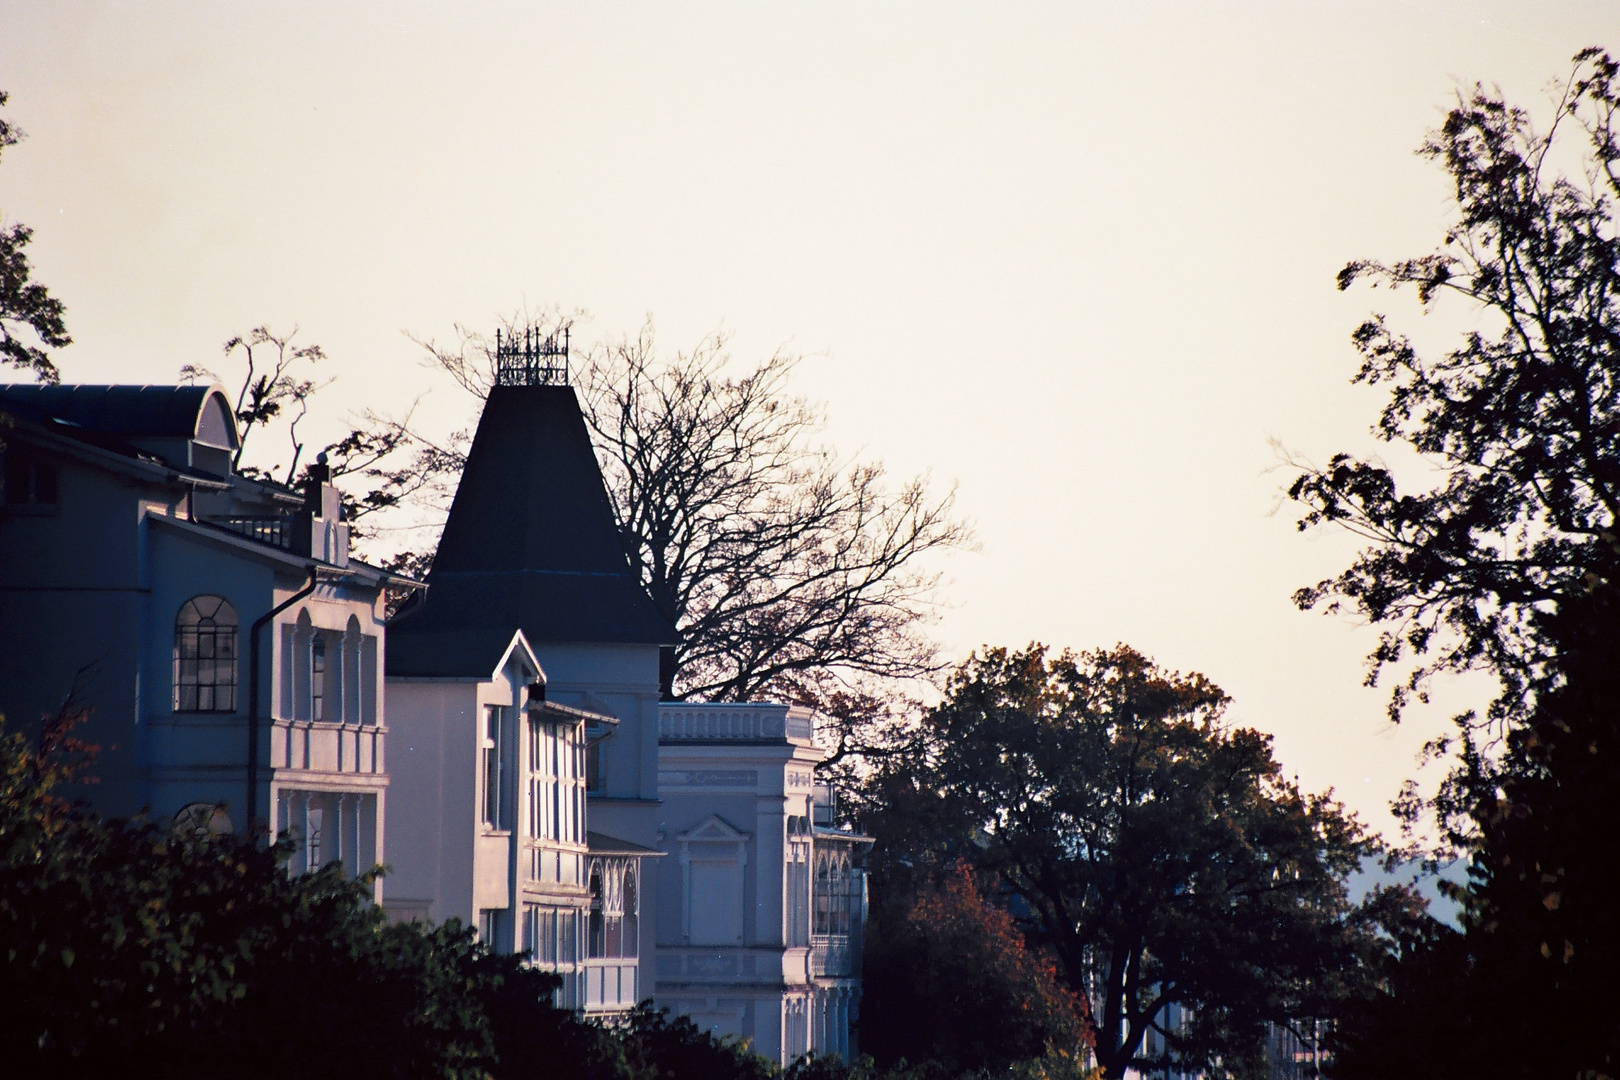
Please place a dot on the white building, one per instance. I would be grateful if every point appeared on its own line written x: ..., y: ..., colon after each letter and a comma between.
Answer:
x: 228, y: 649
x: 524, y: 691
x: 698, y: 875
x: 761, y: 900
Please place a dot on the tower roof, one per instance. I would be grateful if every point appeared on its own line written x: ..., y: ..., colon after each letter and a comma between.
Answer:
x: 531, y: 543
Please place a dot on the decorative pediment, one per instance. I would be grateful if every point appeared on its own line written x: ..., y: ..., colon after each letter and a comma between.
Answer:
x: 520, y: 655
x: 712, y: 828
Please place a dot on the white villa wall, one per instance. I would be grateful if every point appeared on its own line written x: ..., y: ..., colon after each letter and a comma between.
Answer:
x: 435, y: 810
x: 737, y: 784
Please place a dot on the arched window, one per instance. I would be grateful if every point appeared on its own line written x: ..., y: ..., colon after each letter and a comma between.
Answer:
x: 613, y: 929
x: 317, y: 677
x: 595, y: 936
x: 631, y: 936
x: 202, y: 821
x: 205, y: 634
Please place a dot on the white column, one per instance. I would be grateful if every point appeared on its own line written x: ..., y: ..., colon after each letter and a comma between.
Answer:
x: 304, y: 857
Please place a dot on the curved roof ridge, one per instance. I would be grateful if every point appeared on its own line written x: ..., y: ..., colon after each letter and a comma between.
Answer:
x: 131, y: 409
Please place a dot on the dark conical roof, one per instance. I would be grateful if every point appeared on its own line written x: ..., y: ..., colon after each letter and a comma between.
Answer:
x: 531, y: 543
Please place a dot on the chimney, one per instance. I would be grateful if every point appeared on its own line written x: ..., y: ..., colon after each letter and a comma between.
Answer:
x: 320, y: 531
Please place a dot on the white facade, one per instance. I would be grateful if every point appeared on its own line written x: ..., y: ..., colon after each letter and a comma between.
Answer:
x: 153, y: 585
x: 761, y: 908
x: 620, y: 682
x: 490, y: 822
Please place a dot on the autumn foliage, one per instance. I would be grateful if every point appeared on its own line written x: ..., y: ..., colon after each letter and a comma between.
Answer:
x: 950, y: 979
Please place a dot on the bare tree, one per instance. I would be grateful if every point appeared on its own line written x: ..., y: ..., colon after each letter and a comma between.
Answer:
x: 382, y: 464
x: 786, y: 571
x: 778, y: 564
x: 269, y: 386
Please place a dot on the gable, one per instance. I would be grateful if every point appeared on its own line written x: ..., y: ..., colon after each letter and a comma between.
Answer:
x: 713, y: 828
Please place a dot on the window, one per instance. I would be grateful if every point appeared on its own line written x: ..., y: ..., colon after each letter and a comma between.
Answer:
x: 202, y: 821
x: 551, y: 935
x: 837, y: 892
x: 796, y: 884
x: 495, y: 778
x: 312, y: 840
x: 539, y: 793
x: 29, y: 481
x: 205, y: 635
x: 613, y: 931
x: 556, y: 782
x: 317, y: 677
x: 593, y: 766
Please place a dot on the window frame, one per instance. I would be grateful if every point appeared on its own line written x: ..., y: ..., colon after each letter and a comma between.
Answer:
x: 494, y: 776
x: 220, y: 639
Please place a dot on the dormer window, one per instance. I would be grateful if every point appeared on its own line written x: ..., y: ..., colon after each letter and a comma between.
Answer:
x: 205, y: 635
x: 215, y: 424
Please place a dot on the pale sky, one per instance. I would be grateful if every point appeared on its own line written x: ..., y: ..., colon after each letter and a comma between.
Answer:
x: 1076, y: 259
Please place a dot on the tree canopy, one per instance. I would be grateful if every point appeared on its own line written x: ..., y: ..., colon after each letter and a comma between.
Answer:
x: 31, y: 320
x: 948, y: 978
x: 1157, y: 853
x: 1510, y: 564
x: 1522, y: 419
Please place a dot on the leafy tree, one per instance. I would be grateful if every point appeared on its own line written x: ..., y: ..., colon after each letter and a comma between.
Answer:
x: 1509, y: 564
x: 1527, y: 988
x: 201, y: 956
x: 948, y: 979
x: 30, y: 317
x: 1522, y: 419
x: 1415, y: 1019
x: 1157, y: 853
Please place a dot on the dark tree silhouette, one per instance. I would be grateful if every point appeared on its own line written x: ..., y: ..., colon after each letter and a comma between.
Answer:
x: 1158, y: 853
x: 1509, y: 564
x: 1521, y: 419
x: 30, y: 317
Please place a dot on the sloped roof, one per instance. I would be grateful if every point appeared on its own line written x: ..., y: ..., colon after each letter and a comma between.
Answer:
x: 171, y: 412
x: 531, y: 543
x: 602, y: 844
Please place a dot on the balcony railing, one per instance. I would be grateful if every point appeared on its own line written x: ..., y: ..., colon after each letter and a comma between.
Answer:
x: 698, y: 722
x: 275, y: 531
x: 324, y: 747
x: 832, y: 955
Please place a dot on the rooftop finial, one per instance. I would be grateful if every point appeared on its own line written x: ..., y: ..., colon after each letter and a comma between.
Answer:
x: 532, y: 357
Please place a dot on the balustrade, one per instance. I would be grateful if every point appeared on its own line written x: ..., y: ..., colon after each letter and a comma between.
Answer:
x: 322, y: 747
x: 682, y: 722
